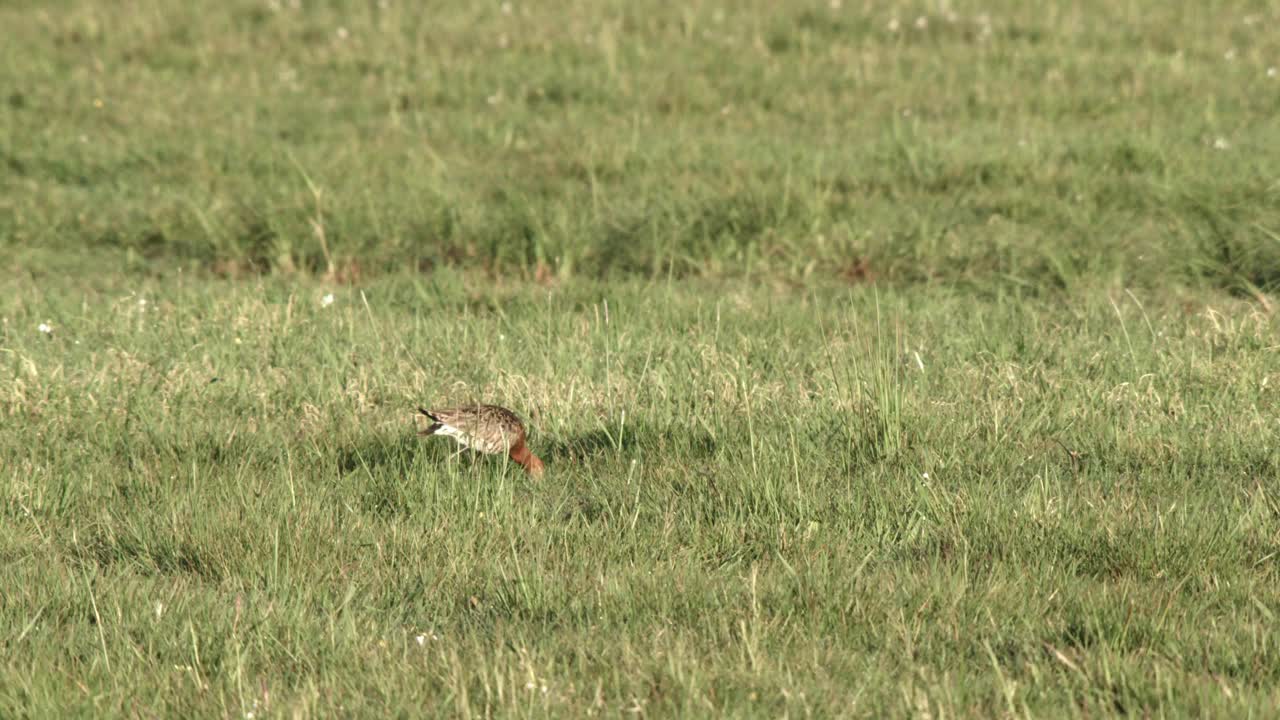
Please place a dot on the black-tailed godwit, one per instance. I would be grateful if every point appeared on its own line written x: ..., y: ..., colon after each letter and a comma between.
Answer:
x: 489, y: 429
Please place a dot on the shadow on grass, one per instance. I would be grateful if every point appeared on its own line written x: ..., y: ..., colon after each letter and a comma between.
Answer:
x: 392, y: 457
x: 635, y: 438
x: 373, y: 453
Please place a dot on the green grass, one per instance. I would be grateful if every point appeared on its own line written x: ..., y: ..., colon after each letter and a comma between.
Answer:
x: 1004, y: 143
x: 921, y: 372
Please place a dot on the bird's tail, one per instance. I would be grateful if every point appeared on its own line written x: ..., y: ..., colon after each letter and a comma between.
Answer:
x: 435, y: 423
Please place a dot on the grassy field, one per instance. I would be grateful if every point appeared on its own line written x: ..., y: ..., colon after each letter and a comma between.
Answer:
x: 888, y: 359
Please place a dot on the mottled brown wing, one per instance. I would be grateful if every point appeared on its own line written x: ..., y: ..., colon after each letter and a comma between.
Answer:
x: 487, y: 428
x: 499, y: 429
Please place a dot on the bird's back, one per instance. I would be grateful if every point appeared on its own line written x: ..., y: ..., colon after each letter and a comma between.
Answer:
x: 487, y: 428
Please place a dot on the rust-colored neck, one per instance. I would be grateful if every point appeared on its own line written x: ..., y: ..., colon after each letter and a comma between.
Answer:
x: 521, y: 454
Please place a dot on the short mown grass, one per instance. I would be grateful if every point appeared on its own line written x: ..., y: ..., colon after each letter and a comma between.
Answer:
x: 888, y: 359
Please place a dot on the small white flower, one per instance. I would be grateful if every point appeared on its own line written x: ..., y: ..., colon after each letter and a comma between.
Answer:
x: 1229, y: 55
x: 1272, y: 72
x: 922, y: 22
x: 142, y: 303
x: 422, y: 639
x: 327, y: 300
x: 45, y: 328
x: 530, y: 685
x: 894, y: 25
x: 924, y: 475
x: 159, y: 609
x: 1221, y: 144
x: 342, y: 33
